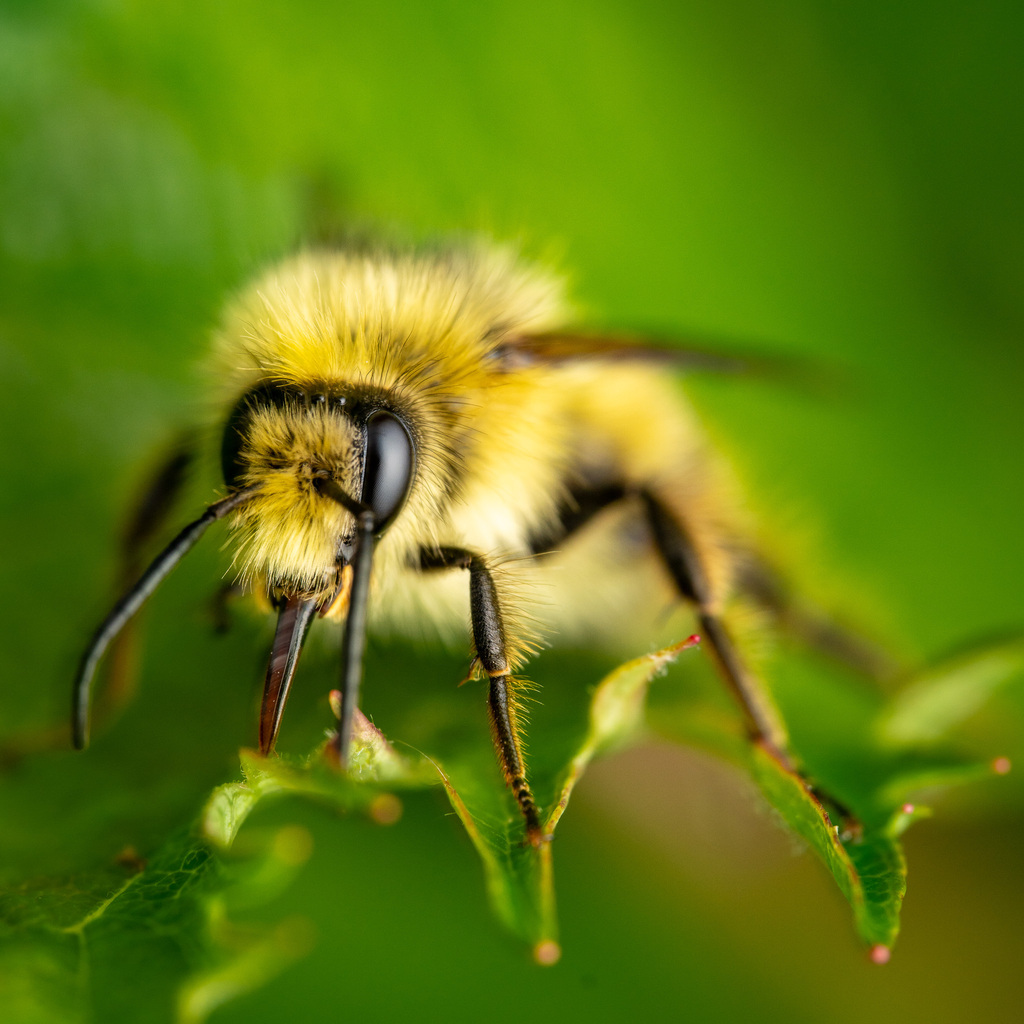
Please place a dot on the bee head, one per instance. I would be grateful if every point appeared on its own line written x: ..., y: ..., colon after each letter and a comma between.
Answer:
x: 319, y: 456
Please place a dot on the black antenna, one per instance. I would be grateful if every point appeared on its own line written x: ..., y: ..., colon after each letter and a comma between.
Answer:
x: 133, y: 601
x: 354, y: 642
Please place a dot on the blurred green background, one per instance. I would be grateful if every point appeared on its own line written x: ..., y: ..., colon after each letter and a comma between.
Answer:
x: 840, y: 181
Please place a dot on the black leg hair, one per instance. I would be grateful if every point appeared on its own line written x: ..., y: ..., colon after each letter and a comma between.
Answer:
x: 133, y: 601
x: 489, y: 641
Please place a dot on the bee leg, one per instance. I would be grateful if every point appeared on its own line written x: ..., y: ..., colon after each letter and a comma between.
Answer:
x: 353, y: 642
x: 489, y: 641
x: 582, y: 502
x: 684, y: 564
x: 220, y: 605
x: 764, y: 725
x: 148, y: 516
x: 814, y: 627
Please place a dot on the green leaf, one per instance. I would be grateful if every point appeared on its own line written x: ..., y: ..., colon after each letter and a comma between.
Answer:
x: 519, y: 876
x: 159, y: 934
x: 939, y: 700
x: 875, y: 770
x: 868, y: 866
x: 935, y: 775
x: 374, y: 769
x: 616, y: 715
x: 101, y: 947
x: 862, y: 854
x: 162, y: 934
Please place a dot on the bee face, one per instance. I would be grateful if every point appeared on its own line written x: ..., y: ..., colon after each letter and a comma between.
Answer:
x: 306, y: 450
x: 277, y: 428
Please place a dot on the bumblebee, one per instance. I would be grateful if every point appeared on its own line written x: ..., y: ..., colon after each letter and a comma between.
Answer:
x: 393, y: 425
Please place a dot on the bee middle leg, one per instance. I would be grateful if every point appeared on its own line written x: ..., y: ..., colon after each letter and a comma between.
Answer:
x: 489, y: 639
x: 682, y: 559
x: 764, y: 725
x: 684, y: 563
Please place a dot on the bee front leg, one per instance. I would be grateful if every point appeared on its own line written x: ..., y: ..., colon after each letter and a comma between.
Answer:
x: 489, y: 638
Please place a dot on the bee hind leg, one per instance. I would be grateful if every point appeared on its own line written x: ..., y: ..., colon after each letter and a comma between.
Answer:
x: 763, y: 722
x: 489, y: 638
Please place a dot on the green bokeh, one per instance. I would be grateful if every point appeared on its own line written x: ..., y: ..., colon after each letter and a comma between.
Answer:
x: 840, y: 181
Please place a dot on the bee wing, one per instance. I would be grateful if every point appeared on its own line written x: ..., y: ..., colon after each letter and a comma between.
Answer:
x: 707, y: 355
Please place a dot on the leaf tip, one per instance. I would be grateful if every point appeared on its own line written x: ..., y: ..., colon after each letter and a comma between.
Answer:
x: 547, y: 953
x: 904, y: 817
x: 879, y: 954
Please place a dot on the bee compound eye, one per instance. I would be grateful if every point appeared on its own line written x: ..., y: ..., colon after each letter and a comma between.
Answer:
x: 387, y: 469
